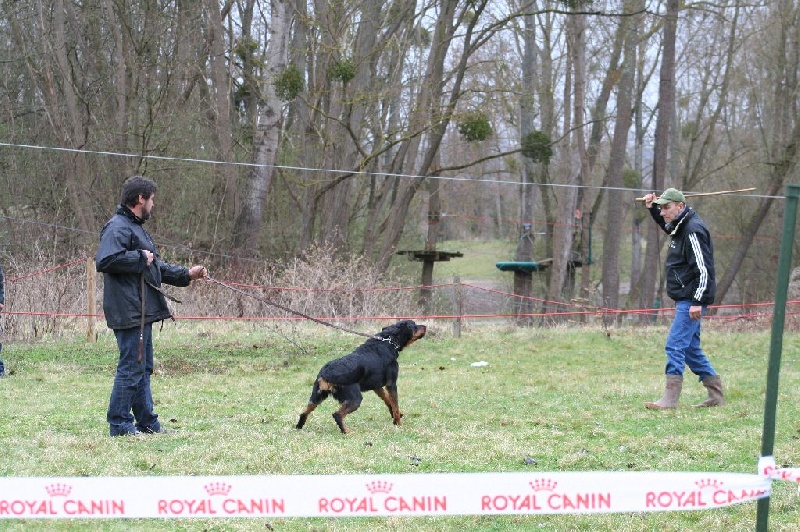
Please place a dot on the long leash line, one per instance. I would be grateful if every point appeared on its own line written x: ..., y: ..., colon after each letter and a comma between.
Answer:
x: 287, y: 309
x: 143, y: 296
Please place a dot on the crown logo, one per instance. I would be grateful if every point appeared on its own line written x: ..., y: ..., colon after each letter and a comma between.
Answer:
x: 379, y: 486
x: 218, y: 488
x: 543, y: 484
x: 58, y: 490
x: 709, y: 483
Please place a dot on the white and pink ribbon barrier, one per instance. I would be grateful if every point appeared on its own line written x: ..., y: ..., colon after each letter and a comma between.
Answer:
x: 434, y: 494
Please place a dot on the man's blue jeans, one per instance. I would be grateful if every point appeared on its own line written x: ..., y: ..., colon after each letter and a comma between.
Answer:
x: 131, y: 391
x: 683, y: 344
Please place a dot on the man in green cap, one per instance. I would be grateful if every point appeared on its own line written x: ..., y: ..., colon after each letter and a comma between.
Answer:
x: 691, y: 283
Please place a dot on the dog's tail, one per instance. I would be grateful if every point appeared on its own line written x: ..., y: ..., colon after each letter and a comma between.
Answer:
x: 325, y: 386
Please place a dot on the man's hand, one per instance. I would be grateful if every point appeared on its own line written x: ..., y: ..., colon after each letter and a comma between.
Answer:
x: 149, y: 256
x: 649, y: 199
x: 696, y: 312
x: 197, y: 272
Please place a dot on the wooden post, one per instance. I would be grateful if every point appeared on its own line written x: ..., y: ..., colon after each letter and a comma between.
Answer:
x: 523, y: 305
x: 426, y: 290
x: 90, y: 291
x: 458, y: 306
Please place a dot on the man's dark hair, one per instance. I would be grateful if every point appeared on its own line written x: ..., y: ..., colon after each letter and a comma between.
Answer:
x: 136, y: 186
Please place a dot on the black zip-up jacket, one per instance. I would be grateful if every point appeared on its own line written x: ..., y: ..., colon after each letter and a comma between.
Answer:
x: 690, y: 257
x: 122, y: 262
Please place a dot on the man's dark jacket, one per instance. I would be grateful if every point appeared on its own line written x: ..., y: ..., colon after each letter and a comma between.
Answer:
x: 690, y: 257
x: 121, y: 260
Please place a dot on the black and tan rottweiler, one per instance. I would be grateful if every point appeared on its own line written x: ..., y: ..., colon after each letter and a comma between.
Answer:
x: 372, y: 366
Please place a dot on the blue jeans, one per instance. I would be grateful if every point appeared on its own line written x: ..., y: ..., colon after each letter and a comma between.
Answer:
x: 2, y: 367
x: 683, y: 344
x: 131, y: 391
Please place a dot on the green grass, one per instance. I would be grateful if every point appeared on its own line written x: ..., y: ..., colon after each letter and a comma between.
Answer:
x: 570, y: 398
x: 478, y: 261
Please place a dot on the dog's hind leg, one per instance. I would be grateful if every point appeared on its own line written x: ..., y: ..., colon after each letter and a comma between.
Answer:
x: 390, y: 398
x: 348, y: 407
x: 349, y: 398
x: 317, y: 396
x: 302, y: 421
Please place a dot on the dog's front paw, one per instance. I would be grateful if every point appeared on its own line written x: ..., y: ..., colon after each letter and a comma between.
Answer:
x: 397, y: 418
x: 301, y: 422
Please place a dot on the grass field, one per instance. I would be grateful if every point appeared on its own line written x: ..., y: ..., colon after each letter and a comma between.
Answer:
x: 559, y: 399
x: 478, y: 262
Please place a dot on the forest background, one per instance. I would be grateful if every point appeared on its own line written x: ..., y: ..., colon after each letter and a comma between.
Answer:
x: 276, y: 129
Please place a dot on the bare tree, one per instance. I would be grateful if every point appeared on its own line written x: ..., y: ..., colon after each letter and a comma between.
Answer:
x: 220, y: 110
x: 385, y: 88
x: 563, y: 271
x: 782, y: 130
x: 268, y: 131
x: 666, y: 104
x: 616, y: 198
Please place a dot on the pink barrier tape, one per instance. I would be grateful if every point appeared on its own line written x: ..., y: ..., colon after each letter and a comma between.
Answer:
x: 767, y: 468
x: 48, y: 270
x: 435, y: 494
x: 582, y: 308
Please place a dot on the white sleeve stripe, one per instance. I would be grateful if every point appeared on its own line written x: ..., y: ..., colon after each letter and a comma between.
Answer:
x: 701, y: 265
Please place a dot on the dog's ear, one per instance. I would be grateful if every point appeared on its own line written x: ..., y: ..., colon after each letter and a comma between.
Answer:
x: 405, y: 326
x: 389, y: 329
x: 396, y: 327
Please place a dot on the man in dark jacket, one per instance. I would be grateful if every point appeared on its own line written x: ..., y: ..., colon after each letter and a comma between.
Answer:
x: 691, y: 283
x: 132, y: 301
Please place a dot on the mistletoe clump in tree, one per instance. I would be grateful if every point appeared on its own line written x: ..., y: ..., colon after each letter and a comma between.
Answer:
x: 475, y: 126
x: 537, y: 146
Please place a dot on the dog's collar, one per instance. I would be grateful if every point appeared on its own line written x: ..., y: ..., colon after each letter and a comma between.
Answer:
x: 397, y: 347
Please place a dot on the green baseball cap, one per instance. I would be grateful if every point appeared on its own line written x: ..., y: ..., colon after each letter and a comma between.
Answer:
x: 670, y: 195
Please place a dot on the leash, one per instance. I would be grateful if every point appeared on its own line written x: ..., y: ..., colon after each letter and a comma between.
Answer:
x: 143, y: 283
x: 143, y: 295
x: 295, y: 312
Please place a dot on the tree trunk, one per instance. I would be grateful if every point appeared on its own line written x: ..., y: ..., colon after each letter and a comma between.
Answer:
x: 526, y: 230
x: 785, y: 162
x: 247, y: 229
x: 666, y: 106
x: 565, y: 230
x: 429, y: 109
x: 221, y: 98
x: 73, y: 125
x: 615, y: 204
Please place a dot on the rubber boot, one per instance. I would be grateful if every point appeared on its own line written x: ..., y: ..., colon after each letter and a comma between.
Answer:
x: 672, y: 391
x: 714, y: 386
